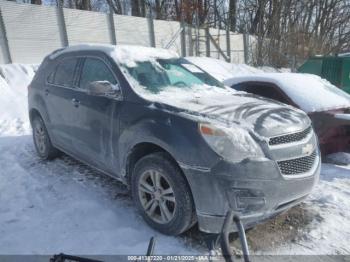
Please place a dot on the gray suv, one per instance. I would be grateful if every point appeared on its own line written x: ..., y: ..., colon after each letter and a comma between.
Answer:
x: 189, y: 148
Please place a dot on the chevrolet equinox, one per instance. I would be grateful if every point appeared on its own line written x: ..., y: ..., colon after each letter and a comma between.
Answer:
x: 189, y: 148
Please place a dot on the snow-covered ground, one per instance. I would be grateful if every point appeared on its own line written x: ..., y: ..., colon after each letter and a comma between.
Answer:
x: 64, y: 206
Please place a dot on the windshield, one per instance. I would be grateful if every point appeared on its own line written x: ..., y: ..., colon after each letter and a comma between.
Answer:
x: 159, y: 74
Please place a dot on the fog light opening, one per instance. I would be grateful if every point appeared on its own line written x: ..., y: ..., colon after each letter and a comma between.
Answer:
x: 247, y: 200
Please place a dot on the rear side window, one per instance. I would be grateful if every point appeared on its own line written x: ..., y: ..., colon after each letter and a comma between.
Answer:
x: 64, y: 75
x: 95, y: 70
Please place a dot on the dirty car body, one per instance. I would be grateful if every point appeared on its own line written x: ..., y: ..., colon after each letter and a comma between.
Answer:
x: 331, y: 122
x: 234, y: 150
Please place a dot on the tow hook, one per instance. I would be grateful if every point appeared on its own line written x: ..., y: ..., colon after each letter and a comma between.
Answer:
x: 225, y: 233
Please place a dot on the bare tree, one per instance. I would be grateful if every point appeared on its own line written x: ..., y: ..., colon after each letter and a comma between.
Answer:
x: 232, y: 15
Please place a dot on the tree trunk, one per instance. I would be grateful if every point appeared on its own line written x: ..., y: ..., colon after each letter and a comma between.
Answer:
x: 36, y: 2
x: 232, y: 15
x: 135, y: 8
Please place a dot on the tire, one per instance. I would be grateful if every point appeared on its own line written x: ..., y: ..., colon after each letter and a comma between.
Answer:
x: 173, y: 194
x: 42, y: 142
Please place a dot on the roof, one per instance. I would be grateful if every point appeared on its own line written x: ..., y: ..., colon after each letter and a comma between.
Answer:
x: 255, y: 77
x: 125, y: 54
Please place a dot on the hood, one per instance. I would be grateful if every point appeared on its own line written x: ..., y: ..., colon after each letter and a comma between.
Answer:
x: 262, y: 116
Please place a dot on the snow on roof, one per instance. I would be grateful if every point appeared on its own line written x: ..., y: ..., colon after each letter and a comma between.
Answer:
x: 124, y: 54
x: 310, y: 92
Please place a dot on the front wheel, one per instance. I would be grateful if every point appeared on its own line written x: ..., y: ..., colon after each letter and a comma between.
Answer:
x: 162, y: 194
x: 42, y: 141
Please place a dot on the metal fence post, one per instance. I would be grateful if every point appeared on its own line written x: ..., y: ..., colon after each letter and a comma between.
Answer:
x: 228, y: 42
x: 111, y: 27
x: 246, y: 48
x: 190, y: 42
x: 197, y: 42
x: 61, y: 24
x: 207, y: 42
x: 5, y: 49
x: 183, y: 39
x: 152, y: 40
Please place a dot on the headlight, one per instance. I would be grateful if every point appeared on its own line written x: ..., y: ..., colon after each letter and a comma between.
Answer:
x: 232, y: 143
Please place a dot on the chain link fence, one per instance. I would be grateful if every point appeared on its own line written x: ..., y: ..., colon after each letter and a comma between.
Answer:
x: 29, y: 32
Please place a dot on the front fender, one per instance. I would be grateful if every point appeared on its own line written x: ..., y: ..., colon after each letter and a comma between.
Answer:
x: 175, y: 134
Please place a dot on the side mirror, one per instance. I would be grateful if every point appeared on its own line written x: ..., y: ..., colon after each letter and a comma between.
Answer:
x: 103, y: 88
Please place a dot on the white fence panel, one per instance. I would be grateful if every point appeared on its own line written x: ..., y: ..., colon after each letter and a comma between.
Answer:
x: 131, y: 30
x: 164, y: 32
x: 86, y: 27
x: 32, y: 31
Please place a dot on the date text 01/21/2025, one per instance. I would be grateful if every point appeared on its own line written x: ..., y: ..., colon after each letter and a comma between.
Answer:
x: 173, y: 258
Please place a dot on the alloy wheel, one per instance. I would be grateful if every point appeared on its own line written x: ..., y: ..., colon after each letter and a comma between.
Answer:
x: 40, y: 137
x: 157, y: 196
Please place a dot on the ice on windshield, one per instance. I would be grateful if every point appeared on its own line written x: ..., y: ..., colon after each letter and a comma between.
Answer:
x: 155, y: 76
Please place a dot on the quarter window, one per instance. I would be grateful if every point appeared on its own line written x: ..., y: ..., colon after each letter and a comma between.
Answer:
x: 95, y: 70
x: 64, y: 75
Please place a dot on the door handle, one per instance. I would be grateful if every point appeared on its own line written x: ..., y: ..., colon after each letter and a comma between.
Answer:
x: 46, y: 92
x: 75, y: 102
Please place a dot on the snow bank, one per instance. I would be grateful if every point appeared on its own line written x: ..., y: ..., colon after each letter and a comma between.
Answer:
x: 14, y: 80
x: 49, y: 207
x: 310, y: 92
x: 329, y: 233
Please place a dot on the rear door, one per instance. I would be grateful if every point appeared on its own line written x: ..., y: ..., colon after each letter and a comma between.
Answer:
x: 97, y: 120
x: 59, y: 93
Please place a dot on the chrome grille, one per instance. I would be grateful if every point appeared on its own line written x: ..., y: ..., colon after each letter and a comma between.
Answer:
x: 290, y: 137
x: 297, y: 165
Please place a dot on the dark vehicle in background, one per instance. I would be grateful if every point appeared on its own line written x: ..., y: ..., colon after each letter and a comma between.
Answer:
x: 189, y: 148
x: 327, y: 106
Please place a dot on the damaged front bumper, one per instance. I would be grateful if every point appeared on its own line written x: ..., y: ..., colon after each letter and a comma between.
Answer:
x: 254, y: 189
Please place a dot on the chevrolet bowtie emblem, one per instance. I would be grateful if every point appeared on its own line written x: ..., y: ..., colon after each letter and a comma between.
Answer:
x: 307, y: 149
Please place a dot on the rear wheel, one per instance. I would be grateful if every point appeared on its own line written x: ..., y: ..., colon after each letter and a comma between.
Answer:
x: 162, y: 194
x: 42, y: 141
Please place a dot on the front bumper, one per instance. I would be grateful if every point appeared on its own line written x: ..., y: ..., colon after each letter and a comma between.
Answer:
x: 254, y: 189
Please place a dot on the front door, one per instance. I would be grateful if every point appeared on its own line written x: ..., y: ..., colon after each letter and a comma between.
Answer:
x: 97, y: 117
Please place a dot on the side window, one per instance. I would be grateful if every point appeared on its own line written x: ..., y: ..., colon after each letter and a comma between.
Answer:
x: 261, y: 90
x: 50, y: 78
x: 95, y: 70
x: 64, y: 75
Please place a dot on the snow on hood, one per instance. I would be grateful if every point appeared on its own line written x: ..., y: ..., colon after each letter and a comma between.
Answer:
x: 214, y: 104
x: 310, y: 92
